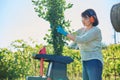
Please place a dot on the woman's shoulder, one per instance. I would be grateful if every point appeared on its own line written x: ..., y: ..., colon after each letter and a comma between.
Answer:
x: 96, y: 28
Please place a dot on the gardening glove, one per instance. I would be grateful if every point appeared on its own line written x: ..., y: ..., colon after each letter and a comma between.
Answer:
x: 61, y: 31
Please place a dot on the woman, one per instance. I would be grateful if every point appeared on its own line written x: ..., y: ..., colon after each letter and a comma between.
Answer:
x: 88, y: 39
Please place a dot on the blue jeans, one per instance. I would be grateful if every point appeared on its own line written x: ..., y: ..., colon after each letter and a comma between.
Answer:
x: 92, y: 70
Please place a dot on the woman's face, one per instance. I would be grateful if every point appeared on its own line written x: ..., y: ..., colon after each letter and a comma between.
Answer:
x: 86, y: 21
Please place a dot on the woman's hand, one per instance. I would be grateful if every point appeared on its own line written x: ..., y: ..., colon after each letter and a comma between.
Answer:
x: 61, y: 31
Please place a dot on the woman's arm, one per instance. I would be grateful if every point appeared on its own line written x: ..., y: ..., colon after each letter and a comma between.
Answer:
x: 89, y: 36
x: 71, y: 37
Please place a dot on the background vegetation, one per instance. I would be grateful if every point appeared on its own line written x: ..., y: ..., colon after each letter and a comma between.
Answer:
x: 18, y: 64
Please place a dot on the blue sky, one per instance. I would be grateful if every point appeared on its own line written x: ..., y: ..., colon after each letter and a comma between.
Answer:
x: 18, y: 20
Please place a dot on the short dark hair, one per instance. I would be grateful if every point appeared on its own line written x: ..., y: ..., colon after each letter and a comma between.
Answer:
x: 89, y: 13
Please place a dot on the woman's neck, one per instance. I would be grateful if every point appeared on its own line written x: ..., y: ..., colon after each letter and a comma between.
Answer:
x: 89, y: 27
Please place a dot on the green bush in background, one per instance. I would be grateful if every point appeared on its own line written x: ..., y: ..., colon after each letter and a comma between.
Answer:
x: 18, y: 64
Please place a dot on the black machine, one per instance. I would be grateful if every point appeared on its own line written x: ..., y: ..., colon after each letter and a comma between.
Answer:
x: 57, y: 68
